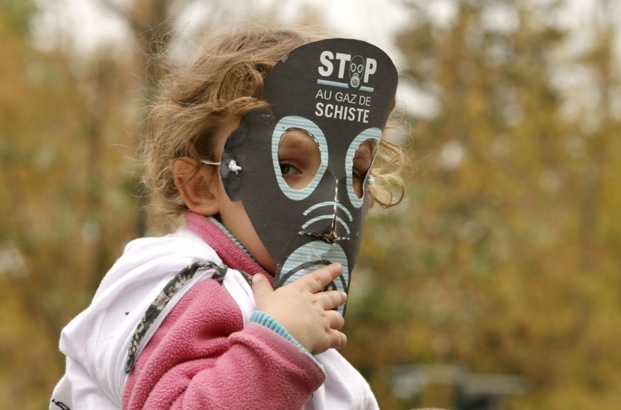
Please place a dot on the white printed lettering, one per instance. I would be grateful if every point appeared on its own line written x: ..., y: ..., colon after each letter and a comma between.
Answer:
x: 343, y: 59
x: 345, y: 97
x: 345, y: 63
x: 326, y: 59
x: 341, y: 112
x: 370, y: 69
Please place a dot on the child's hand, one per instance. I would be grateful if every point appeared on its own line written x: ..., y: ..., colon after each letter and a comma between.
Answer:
x: 305, y: 311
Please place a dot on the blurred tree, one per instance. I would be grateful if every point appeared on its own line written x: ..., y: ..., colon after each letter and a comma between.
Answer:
x: 63, y: 138
x: 151, y: 26
x: 37, y: 103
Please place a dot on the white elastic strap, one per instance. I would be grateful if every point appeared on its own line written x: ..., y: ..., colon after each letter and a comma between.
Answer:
x: 204, y: 161
x: 232, y: 165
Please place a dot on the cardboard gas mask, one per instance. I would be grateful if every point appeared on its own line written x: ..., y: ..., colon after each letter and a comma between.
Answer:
x: 302, y: 169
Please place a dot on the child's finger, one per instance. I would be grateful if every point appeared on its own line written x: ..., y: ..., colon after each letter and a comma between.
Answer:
x: 338, y: 340
x: 332, y: 299
x: 319, y: 279
x: 336, y: 320
x: 261, y: 287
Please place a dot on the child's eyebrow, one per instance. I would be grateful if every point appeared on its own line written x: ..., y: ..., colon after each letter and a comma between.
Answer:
x: 297, y: 141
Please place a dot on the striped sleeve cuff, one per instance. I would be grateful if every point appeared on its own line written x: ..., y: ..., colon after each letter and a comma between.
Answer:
x: 266, y: 320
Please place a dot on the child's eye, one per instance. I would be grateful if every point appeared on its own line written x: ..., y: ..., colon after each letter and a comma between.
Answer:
x: 288, y: 169
x: 299, y: 157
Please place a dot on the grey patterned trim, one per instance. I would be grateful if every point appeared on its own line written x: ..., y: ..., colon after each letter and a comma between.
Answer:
x: 233, y: 238
x: 160, y: 302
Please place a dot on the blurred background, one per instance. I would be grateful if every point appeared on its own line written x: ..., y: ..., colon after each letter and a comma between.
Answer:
x: 496, y: 284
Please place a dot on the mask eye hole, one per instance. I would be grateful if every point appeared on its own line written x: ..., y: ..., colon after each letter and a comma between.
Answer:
x: 299, y: 157
x: 363, y: 158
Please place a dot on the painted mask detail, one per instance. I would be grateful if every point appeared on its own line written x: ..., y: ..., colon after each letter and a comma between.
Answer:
x: 333, y: 98
x: 356, y: 71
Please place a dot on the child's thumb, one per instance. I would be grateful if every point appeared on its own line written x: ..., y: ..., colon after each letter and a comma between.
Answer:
x: 260, y: 286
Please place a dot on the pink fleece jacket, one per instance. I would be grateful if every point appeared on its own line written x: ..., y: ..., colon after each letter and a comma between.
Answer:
x: 202, y: 356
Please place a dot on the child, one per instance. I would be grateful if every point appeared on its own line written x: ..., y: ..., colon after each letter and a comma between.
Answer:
x: 263, y: 147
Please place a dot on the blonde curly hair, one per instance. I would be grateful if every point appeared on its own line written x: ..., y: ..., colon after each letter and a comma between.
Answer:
x: 226, y: 82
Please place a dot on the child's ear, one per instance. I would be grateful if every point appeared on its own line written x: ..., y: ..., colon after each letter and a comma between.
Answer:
x: 196, y: 186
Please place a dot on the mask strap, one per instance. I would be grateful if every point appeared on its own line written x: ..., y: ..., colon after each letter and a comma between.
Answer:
x: 232, y: 165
